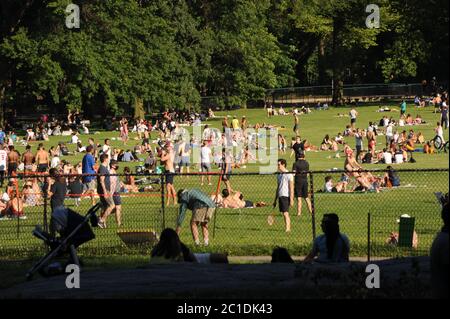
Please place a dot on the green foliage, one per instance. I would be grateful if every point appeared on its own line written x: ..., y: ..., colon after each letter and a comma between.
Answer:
x: 172, y: 53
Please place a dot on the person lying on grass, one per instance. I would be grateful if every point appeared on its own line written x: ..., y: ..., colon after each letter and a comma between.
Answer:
x: 236, y: 200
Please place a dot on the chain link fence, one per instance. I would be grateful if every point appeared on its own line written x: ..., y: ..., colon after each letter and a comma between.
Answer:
x: 312, y: 95
x: 371, y: 218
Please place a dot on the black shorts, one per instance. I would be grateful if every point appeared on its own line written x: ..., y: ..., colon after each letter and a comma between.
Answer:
x: 117, y: 199
x: 169, y: 178
x: 353, y: 121
x: 295, y: 127
x: 248, y: 203
x: 283, y: 204
x: 12, y: 167
x: 42, y: 168
x: 301, y: 189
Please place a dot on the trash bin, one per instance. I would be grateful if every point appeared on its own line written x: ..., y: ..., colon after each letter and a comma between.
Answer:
x: 406, y: 231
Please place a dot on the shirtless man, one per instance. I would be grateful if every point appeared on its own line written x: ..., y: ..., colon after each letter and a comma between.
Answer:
x: 234, y: 200
x: 42, y: 159
x: 13, y: 160
x: 168, y: 157
x: 28, y: 159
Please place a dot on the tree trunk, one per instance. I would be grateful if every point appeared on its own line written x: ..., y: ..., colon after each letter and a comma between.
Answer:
x: 338, y: 84
x: 321, y: 61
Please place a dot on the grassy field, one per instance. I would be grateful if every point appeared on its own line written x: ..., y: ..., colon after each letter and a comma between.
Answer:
x: 246, y: 232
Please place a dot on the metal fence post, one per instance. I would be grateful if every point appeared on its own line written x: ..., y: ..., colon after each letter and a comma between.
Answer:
x: 45, y: 222
x: 163, y: 209
x: 313, y: 209
x: 368, y: 237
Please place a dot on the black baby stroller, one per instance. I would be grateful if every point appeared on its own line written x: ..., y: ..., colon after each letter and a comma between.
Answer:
x: 73, y: 229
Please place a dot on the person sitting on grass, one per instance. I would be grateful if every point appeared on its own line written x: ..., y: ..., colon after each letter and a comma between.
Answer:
x: 15, y: 207
x: 391, y: 178
x: 3, y: 205
x: 129, y: 183
x: 332, y: 246
x: 170, y: 249
x: 281, y: 255
x: 339, y: 187
x: 308, y: 147
x: 326, y: 143
x: 428, y: 148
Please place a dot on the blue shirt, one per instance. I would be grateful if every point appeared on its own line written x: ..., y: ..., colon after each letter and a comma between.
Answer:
x: 88, y: 167
x: 2, y: 136
x: 192, y: 199
x: 127, y: 157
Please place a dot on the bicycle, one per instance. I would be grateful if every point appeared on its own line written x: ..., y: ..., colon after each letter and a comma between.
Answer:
x: 439, y: 144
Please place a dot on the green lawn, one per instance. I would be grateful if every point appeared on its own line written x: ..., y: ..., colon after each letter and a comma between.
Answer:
x: 246, y: 232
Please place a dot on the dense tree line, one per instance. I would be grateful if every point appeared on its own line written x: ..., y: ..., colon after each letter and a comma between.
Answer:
x: 170, y: 53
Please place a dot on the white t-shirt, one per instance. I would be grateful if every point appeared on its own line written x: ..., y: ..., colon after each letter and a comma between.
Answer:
x: 387, y: 157
x: 399, y: 158
x: 55, y: 162
x: 389, y: 130
x: 3, y: 158
x: 75, y: 139
x: 353, y: 114
x: 107, y: 149
x: 283, y: 184
x: 329, y: 186
x: 205, y: 155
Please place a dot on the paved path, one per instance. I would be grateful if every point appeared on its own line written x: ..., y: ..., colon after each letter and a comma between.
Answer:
x: 187, y: 280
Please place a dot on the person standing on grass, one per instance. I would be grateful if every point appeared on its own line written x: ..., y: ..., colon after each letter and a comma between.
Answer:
x: 28, y: 159
x: 296, y: 124
x: 353, y: 115
x: 202, y: 211
x: 104, y: 190
x: 106, y: 149
x: 57, y: 189
x: 115, y: 189
x: 301, y: 183
x: 42, y: 159
x: 13, y: 161
x: 168, y: 158
x: 444, y: 114
x: 284, y: 193
x: 88, y: 171
x: 439, y: 131
x: 205, y: 161
x: 3, y: 164
x: 402, y: 107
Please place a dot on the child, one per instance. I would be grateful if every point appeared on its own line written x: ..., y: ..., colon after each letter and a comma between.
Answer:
x: 75, y: 187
